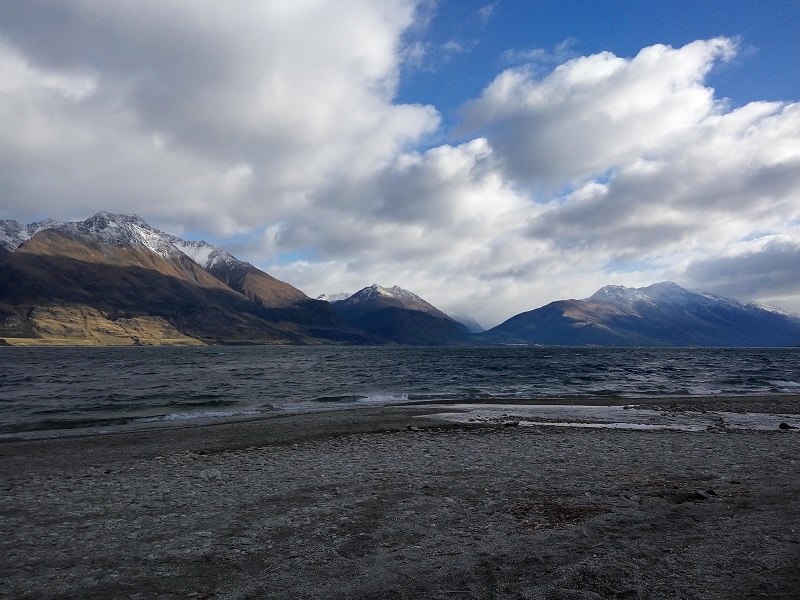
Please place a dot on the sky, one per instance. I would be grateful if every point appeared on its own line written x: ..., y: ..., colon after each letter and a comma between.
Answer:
x: 490, y: 156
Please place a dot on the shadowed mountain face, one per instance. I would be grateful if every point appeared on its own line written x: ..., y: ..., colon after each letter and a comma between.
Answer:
x: 400, y: 316
x: 662, y: 314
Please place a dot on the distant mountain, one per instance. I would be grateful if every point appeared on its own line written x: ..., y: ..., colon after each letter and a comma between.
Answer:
x: 114, y: 279
x: 663, y: 314
x: 397, y: 315
x: 334, y: 297
x: 471, y: 324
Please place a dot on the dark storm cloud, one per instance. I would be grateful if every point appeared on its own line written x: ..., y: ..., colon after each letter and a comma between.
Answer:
x: 772, y: 271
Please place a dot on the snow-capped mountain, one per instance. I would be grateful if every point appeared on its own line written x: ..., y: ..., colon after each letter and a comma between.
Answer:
x: 334, y: 297
x: 105, y: 238
x: 663, y: 314
x: 399, y: 315
x: 396, y: 295
x: 105, y: 228
x: 12, y: 233
x: 668, y: 293
x: 117, y: 230
x: 114, y: 277
x: 130, y: 230
x: 376, y: 296
x: 112, y: 265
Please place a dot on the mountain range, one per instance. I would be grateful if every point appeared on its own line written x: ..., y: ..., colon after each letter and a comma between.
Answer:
x: 113, y: 279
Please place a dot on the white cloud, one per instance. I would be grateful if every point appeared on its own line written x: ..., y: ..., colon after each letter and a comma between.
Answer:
x: 272, y: 129
x: 596, y: 112
x: 658, y: 175
x: 486, y: 11
x: 536, y: 59
x: 297, y: 91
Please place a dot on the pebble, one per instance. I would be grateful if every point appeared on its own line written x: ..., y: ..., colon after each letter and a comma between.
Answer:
x: 210, y: 474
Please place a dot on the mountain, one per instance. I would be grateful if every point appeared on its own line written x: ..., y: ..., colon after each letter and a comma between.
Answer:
x: 663, y: 314
x: 114, y: 279
x: 397, y: 315
x: 279, y: 300
x: 471, y: 324
x: 334, y: 297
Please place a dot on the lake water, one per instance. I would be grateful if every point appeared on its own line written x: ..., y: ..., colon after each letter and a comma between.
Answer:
x: 65, y: 389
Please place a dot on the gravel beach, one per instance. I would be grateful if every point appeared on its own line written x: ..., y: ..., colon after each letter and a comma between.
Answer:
x: 399, y: 503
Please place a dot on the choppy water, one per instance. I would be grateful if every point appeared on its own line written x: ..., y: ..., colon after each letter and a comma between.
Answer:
x: 58, y: 389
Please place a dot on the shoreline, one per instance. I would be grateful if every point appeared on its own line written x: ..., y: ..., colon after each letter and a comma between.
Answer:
x: 747, y: 403
x: 394, y: 502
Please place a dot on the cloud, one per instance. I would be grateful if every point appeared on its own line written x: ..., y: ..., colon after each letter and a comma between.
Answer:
x: 731, y: 173
x: 636, y: 161
x: 486, y: 11
x: 595, y: 112
x: 291, y: 93
x: 770, y: 266
x: 540, y: 60
x: 273, y: 129
x: 444, y: 223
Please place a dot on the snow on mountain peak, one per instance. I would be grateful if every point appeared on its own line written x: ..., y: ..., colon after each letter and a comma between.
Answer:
x: 375, y: 290
x: 103, y: 220
x: 334, y: 297
x: 109, y: 228
x: 619, y: 295
x: 12, y: 233
x: 663, y: 293
x: 666, y: 290
x: 121, y: 230
x: 395, y: 292
x: 201, y: 252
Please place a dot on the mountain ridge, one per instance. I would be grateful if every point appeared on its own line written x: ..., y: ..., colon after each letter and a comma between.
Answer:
x: 115, y: 279
x: 399, y: 316
x: 662, y: 314
x: 117, y: 266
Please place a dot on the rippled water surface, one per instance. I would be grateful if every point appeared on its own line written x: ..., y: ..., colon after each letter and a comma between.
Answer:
x: 67, y: 388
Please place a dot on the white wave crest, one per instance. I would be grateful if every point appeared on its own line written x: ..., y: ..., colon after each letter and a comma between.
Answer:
x: 210, y: 414
x: 384, y: 399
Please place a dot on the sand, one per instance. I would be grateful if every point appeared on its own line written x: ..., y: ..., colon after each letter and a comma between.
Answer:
x: 398, y: 503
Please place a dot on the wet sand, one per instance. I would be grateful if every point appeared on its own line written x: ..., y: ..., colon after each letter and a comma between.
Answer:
x: 398, y: 503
